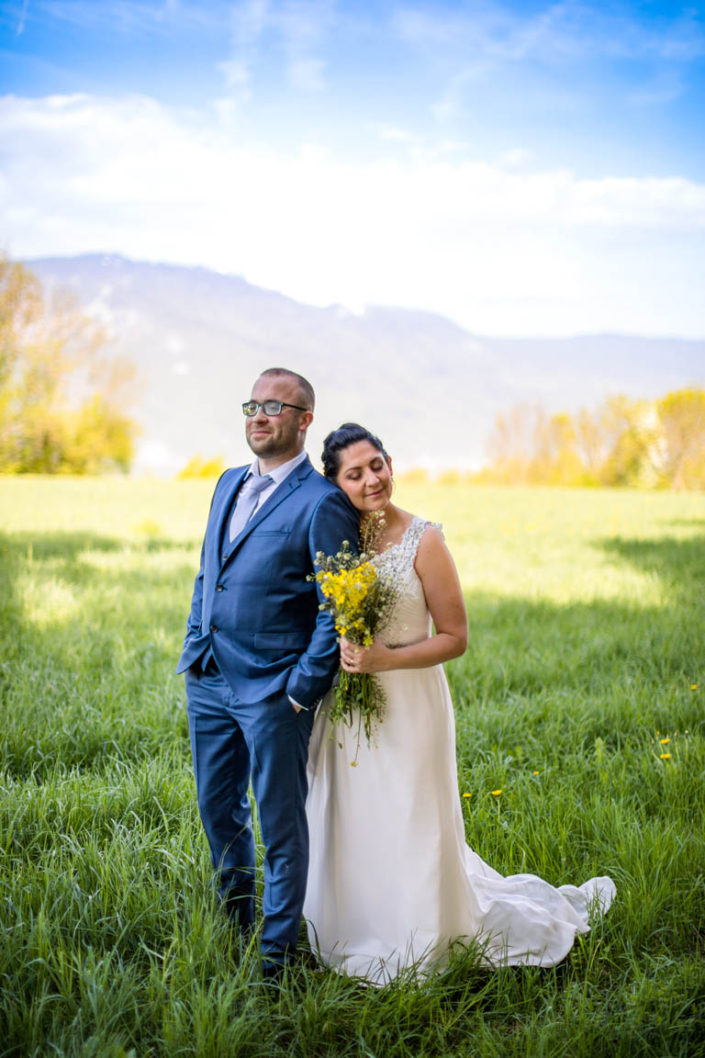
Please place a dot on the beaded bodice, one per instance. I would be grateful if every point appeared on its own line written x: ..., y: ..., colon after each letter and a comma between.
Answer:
x: 409, y: 620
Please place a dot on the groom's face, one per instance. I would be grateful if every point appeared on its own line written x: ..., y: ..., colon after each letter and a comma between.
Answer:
x: 279, y: 437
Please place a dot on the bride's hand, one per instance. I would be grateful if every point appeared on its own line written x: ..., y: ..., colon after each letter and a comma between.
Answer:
x: 354, y: 658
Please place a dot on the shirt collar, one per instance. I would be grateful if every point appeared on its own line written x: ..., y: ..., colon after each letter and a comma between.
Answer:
x: 279, y: 473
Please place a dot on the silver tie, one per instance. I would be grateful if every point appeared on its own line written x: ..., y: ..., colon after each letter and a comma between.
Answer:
x: 247, y: 501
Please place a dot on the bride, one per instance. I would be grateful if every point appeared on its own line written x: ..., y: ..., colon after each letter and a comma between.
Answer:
x: 392, y: 884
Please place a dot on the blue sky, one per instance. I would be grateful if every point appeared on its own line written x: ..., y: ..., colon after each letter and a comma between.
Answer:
x: 523, y: 167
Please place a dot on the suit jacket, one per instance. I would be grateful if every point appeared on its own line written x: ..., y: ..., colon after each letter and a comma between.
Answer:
x: 252, y: 603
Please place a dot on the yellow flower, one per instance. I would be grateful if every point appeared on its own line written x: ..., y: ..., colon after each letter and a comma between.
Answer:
x: 665, y: 756
x: 664, y: 741
x: 535, y: 773
x: 467, y: 795
x: 496, y: 793
x: 359, y: 602
x: 694, y: 686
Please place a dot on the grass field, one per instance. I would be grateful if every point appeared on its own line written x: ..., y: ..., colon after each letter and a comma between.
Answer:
x: 581, y: 697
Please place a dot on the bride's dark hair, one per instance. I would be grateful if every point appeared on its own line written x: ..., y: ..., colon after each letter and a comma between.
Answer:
x: 337, y: 440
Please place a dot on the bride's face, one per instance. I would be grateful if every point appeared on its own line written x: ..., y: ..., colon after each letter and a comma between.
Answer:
x: 365, y: 476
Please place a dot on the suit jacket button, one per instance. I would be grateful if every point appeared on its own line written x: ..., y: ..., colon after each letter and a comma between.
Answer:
x: 224, y: 555
x: 219, y: 587
x: 214, y: 628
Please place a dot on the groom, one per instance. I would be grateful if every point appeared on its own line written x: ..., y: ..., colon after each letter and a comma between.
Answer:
x: 259, y: 654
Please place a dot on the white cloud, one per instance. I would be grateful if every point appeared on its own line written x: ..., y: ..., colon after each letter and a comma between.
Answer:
x: 124, y: 16
x: 392, y: 133
x: 475, y: 47
x: 236, y: 74
x: 498, y: 247
x: 307, y: 75
x: 298, y: 28
x: 248, y: 21
x: 559, y: 31
x: 21, y: 16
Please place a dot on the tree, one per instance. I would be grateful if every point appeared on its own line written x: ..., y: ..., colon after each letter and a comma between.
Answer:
x: 623, y: 442
x: 62, y: 403
x: 555, y: 457
x: 631, y: 438
x: 512, y: 444
x: 20, y: 299
x: 591, y: 443
x: 197, y: 467
x: 681, y: 416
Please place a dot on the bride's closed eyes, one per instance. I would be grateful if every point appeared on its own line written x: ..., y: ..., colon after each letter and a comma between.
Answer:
x: 355, y: 473
x: 365, y: 476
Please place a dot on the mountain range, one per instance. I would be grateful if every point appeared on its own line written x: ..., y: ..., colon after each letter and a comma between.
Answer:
x: 430, y: 389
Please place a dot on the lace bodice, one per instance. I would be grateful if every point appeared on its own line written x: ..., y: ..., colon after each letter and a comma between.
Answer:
x: 409, y: 620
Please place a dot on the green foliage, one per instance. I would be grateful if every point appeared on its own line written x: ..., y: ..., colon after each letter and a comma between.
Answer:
x: 622, y: 443
x: 197, y: 467
x: 586, y: 632
x: 415, y: 476
x: 682, y: 420
x: 62, y: 407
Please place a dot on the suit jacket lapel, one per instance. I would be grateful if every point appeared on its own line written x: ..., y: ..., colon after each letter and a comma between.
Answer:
x: 222, y: 515
x: 287, y: 488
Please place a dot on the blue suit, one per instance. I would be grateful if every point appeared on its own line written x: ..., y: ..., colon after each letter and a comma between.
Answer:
x: 255, y: 613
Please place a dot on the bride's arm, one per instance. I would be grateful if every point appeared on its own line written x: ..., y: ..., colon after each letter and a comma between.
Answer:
x: 446, y: 605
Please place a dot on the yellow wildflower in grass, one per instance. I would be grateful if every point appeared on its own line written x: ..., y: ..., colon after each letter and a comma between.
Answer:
x: 496, y: 793
x: 664, y: 741
x: 467, y: 795
x: 535, y: 773
x: 665, y: 756
x: 694, y: 686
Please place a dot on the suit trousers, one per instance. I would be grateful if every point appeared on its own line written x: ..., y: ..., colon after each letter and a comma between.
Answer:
x: 233, y: 743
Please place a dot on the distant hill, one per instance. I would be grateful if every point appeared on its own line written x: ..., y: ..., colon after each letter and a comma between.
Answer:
x: 429, y: 388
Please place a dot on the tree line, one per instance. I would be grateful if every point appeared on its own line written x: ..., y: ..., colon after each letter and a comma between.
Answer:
x: 65, y: 409
x: 623, y: 442
x: 63, y: 402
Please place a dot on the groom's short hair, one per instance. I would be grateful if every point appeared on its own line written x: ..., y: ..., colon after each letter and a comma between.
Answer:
x: 307, y: 396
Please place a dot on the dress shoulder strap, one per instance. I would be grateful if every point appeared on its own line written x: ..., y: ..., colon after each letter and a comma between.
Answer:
x: 412, y: 536
x: 397, y: 561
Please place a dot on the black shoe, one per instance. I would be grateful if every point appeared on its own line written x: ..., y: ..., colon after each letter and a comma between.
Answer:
x: 273, y: 972
x: 238, y: 905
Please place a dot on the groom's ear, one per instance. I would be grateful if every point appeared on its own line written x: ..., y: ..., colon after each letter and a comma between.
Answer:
x: 305, y: 420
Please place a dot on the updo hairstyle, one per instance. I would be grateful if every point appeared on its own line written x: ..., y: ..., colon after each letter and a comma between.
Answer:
x: 337, y: 440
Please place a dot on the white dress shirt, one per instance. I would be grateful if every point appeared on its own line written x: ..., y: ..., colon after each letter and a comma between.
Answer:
x: 277, y: 475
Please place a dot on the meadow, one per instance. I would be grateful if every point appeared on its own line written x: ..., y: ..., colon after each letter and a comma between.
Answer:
x: 580, y: 698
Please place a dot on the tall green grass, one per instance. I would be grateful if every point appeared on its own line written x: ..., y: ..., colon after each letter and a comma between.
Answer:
x: 587, y: 636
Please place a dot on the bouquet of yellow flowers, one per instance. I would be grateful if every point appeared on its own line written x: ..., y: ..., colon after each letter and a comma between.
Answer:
x: 360, y: 602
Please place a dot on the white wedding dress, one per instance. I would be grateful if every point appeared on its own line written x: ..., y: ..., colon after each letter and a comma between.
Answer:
x: 391, y: 882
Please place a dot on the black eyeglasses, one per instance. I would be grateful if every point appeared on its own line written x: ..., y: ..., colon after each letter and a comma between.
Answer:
x: 269, y: 407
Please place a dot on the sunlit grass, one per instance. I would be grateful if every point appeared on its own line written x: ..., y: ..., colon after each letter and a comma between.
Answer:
x: 580, y: 698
